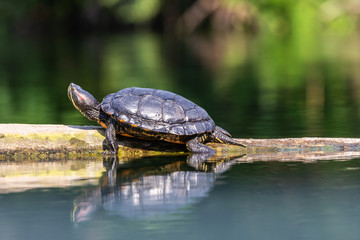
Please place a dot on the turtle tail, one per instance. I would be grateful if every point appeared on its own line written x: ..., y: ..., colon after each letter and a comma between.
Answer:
x: 222, y: 136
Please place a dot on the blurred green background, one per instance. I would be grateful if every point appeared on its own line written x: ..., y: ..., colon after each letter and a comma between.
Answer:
x: 274, y: 68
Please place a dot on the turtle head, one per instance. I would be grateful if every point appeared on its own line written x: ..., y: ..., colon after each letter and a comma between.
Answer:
x: 84, y: 102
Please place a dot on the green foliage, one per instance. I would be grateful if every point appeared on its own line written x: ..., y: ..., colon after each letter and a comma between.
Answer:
x: 140, y: 11
x: 277, y: 16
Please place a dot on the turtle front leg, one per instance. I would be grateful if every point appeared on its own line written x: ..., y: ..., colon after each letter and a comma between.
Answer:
x: 196, y: 145
x: 110, y: 135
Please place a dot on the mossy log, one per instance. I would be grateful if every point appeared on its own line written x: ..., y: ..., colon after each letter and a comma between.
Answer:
x: 27, y: 141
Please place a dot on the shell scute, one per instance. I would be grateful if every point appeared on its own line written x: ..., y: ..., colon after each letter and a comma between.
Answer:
x: 164, y: 94
x: 184, y: 103
x: 173, y: 113
x: 177, y: 130
x: 193, y: 115
x: 142, y: 91
x: 150, y: 107
x: 190, y: 129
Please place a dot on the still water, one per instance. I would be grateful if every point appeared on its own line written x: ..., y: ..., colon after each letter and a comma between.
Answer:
x: 259, y: 87
x: 162, y: 198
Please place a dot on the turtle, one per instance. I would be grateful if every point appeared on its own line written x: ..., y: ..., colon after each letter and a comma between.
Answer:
x: 151, y: 114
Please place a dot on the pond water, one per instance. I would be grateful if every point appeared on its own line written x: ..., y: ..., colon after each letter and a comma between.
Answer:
x: 259, y: 87
x: 162, y: 198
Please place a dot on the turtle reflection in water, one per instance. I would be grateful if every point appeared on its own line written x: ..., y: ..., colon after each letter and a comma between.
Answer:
x: 151, y: 114
x: 149, y: 187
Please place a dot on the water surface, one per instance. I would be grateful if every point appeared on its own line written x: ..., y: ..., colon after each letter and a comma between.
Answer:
x: 166, y: 198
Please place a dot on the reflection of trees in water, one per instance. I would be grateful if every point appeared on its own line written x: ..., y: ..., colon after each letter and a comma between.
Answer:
x: 158, y: 186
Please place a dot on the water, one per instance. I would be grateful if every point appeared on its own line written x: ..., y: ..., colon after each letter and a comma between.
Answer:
x: 260, y: 87
x: 159, y: 198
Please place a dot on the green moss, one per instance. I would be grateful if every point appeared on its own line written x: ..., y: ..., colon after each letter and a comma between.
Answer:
x: 78, y: 143
x: 127, y: 152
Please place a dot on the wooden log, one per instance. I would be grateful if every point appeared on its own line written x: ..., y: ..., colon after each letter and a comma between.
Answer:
x: 37, y: 142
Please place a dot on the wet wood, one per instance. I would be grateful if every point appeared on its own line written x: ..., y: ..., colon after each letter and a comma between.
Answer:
x: 19, y: 141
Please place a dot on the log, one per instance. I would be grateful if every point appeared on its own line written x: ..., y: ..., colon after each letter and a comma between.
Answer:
x: 38, y: 142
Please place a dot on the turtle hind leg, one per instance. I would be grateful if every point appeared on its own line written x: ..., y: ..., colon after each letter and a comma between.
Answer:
x: 196, y: 145
x: 217, y: 128
x: 222, y: 136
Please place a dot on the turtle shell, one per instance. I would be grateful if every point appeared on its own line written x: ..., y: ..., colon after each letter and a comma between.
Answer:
x: 158, y: 111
